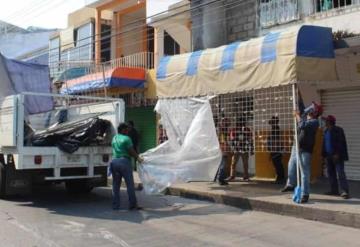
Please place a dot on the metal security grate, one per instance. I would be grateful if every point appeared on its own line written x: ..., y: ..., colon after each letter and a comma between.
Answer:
x: 255, y: 121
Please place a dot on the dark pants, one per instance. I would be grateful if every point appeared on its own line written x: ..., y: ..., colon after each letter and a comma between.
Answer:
x: 336, y: 169
x: 121, y: 168
x: 277, y: 162
x: 222, y: 173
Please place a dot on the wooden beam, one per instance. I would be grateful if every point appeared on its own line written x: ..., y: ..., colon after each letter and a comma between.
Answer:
x: 132, y: 8
x: 98, y: 36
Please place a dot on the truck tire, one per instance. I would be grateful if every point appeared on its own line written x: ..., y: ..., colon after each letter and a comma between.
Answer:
x: 2, y: 180
x: 78, y: 186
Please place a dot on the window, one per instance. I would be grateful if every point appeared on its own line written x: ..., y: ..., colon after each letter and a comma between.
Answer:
x: 324, y: 5
x: 105, y: 42
x: 54, y: 56
x: 273, y: 12
x: 171, y: 47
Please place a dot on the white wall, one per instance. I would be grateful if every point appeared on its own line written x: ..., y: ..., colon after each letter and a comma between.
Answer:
x: 345, y: 21
x: 154, y: 7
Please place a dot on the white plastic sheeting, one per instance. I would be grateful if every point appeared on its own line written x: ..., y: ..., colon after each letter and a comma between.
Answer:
x: 192, y: 152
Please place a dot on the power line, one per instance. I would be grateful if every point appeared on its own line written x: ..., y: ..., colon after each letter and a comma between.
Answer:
x: 146, y: 18
x: 144, y: 25
x: 210, y: 22
x: 26, y: 8
x: 40, y: 10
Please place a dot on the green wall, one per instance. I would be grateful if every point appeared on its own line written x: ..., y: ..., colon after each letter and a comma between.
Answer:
x: 145, y: 123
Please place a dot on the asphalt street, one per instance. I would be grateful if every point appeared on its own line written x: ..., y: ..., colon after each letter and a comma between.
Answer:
x: 51, y: 217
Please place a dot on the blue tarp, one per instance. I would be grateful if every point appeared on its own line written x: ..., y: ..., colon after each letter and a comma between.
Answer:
x: 17, y: 77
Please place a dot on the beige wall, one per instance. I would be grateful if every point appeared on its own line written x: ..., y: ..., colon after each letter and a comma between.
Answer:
x: 81, y: 16
x: 132, y: 40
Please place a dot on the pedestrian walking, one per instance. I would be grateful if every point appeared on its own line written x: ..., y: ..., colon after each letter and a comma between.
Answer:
x: 335, y: 153
x: 275, y: 149
x: 307, y: 125
x: 120, y: 167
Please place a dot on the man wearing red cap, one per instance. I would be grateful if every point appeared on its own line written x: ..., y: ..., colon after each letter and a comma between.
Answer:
x: 335, y: 153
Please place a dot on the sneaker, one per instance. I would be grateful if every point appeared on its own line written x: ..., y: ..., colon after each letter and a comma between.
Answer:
x: 223, y: 183
x: 331, y: 193
x: 345, y: 195
x: 288, y: 188
x: 304, y: 199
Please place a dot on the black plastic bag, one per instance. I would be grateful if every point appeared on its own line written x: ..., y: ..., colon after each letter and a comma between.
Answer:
x: 70, y: 136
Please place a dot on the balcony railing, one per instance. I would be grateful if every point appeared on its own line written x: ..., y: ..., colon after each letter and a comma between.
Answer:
x: 320, y: 6
x: 275, y: 12
x: 138, y: 60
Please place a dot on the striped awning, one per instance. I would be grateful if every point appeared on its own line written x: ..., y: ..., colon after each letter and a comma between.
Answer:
x: 303, y: 53
x: 113, y: 78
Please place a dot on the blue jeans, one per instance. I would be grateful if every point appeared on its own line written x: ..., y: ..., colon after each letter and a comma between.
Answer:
x: 305, y: 170
x: 120, y: 168
x: 335, y: 169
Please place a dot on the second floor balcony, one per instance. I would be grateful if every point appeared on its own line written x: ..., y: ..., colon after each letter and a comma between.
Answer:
x: 277, y: 12
x: 74, y: 68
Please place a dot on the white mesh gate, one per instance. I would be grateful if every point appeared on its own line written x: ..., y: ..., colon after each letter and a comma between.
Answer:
x: 243, y: 120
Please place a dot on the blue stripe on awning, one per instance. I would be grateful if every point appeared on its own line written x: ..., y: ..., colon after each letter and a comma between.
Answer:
x: 100, y: 83
x: 162, y: 69
x: 228, y: 58
x: 268, y: 48
x: 192, y: 66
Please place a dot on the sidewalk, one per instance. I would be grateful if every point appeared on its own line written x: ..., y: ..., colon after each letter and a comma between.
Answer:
x: 265, y: 196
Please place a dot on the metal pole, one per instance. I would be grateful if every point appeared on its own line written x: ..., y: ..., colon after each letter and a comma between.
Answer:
x: 296, y: 135
x: 103, y: 73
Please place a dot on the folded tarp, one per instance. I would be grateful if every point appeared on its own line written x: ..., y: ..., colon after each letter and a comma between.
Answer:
x: 17, y: 77
x: 118, y: 77
x: 302, y: 53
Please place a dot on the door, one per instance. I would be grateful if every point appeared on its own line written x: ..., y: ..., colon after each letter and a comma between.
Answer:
x: 345, y: 106
x: 145, y: 123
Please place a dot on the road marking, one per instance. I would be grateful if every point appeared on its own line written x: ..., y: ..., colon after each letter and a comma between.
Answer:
x: 115, y: 239
x: 11, y: 219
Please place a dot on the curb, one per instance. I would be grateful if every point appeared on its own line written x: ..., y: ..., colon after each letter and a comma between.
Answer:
x: 314, y: 214
x: 341, y: 218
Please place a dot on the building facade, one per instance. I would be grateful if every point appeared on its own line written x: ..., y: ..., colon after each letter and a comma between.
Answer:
x: 221, y: 22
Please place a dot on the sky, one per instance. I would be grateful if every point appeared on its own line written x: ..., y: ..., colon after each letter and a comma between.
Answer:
x: 40, y: 13
x: 154, y: 7
x: 53, y: 13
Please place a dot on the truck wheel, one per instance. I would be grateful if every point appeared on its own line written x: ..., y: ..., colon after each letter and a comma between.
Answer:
x: 2, y: 181
x: 78, y: 186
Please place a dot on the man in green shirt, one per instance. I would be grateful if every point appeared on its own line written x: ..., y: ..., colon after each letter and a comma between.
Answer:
x: 120, y: 166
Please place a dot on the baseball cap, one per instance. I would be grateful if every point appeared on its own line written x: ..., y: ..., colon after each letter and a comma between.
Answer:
x: 330, y: 118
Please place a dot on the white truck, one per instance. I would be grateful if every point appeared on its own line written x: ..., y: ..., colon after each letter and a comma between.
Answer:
x: 23, y: 164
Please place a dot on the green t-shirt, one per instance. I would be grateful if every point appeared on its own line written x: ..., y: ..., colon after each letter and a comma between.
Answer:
x: 120, y: 146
